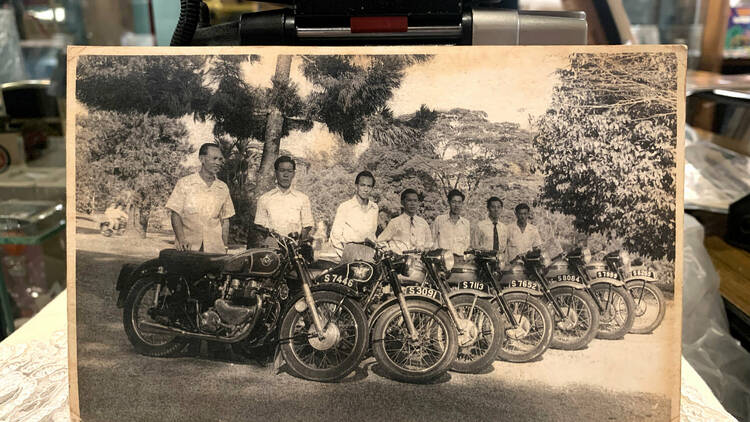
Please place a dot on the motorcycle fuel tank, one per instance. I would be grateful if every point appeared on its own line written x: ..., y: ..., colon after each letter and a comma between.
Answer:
x: 463, y: 271
x: 515, y: 272
x: 257, y: 262
x: 558, y: 267
x: 597, y: 269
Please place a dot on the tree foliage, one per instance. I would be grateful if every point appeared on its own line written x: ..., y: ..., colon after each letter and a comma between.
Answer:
x: 607, y: 147
x: 349, y: 89
x: 118, y: 152
x: 170, y: 86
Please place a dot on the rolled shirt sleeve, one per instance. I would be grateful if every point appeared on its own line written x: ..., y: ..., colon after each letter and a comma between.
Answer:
x: 176, y: 201
x: 227, y: 210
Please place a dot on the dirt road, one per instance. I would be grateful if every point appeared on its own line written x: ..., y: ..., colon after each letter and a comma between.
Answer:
x: 603, y: 382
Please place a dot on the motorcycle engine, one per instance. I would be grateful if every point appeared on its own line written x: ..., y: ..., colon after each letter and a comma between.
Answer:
x: 237, y: 304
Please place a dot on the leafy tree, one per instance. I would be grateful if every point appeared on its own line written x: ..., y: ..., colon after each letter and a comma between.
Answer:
x: 170, y: 86
x: 133, y: 152
x: 607, y: 147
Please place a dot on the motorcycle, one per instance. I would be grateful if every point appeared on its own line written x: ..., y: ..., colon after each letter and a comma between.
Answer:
x: 413, y: 338
x: 648, y: 298
x: 615, y: 304
x: 527, y: 321
x: 478, y: 323
x: 256, y: 298
x: 106, y: 230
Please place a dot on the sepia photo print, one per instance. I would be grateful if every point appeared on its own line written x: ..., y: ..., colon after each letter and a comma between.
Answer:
x: 391, y: 233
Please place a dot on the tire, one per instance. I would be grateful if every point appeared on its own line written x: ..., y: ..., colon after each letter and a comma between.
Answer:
x: 349, y: 336
x: 390, y: 335
x: 649, y: 305
x: 617, y: 317
x: 581, y: 323
x: 478, y: 348
x: 155, y: 345
x: 534, y: 331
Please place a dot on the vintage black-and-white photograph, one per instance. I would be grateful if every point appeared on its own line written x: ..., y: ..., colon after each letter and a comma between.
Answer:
x: 415, y: 233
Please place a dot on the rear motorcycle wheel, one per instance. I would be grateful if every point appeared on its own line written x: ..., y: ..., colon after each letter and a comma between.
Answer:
x: 533, y: 333
x: 580, y: 321
x: 482, y: 336
x: 649, y: 306
x: 618, y: 315
x: 342, y: 348
x: 142, y: 297
x: 415, y: 361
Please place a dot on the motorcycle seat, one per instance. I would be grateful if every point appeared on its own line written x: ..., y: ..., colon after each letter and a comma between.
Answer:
x: 191, y: 263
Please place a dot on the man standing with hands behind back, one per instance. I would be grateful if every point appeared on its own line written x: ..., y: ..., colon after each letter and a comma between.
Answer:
x: 284, y: 209
x: 200, y: 206
x: 356, y: 218
x: 490, y: 233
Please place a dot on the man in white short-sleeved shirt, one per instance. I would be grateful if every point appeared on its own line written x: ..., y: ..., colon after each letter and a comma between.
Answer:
x: 200, y: 206
x: 356, y: 218
x: 451, y: 231
x: 522, y: 236
x: 283, y: 208
x: 408, y: 230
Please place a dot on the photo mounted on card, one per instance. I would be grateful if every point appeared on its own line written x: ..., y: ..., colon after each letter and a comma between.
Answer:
x: 391, y: 233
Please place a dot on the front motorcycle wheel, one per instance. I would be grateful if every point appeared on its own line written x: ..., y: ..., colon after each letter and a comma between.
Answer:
x: 579, y: 322
x: 649, y: 306
x: 415, y: 360
x: 481, y: 333
x: 339, y: 351
x: 145, y: 297
x: 617, y: 317
x: 531, y: 336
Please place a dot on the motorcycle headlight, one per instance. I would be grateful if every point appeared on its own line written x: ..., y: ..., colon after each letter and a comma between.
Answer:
x: 544, y: 260
x: 586, y: 255
x: 448, y: 260
x: 624, y: 258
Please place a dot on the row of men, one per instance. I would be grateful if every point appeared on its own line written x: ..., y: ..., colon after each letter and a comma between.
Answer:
x: 201, y: 206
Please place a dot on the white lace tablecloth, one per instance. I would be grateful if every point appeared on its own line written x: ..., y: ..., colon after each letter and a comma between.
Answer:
x: 34, y: 374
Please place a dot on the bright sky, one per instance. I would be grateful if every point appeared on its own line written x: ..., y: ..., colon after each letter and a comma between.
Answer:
x: 507, y: 85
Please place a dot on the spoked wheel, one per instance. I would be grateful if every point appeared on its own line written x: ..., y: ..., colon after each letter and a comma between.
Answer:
x: 340, y: 349
x: 145, y: 297
x: 480, y: 333
x: 579, y: 322
x: 617, y: 317
x: 532, y: 335
x: 649, y: 306
x: 414, y: 360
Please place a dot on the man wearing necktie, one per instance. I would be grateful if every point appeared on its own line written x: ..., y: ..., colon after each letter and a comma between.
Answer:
x: 490, y: 233
x: 408, y: 230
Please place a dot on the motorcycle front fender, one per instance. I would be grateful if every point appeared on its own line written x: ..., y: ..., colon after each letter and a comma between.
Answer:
x: 640, y: 279
x: 573, y: 284
x: 338, y: 288
x: 470, y: 292
x: 522, y: 290
x: 380, y: 309
x: 606, y: 280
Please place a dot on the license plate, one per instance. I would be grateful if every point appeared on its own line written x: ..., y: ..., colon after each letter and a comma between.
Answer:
x: 473, y: 285
x: 643, y: 273
x: 421, y: 291
x: 606, y: 274
x: 525, y: 283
